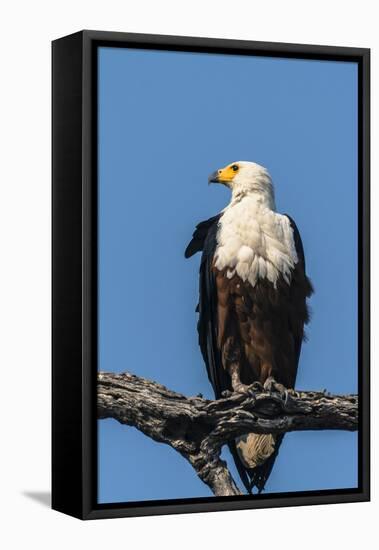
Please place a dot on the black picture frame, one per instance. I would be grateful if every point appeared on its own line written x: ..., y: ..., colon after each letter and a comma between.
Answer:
x: 74, y: 273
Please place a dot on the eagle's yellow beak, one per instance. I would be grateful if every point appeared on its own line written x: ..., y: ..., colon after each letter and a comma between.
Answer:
x: 223, y: 175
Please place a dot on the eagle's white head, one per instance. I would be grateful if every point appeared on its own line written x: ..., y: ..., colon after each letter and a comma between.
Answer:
x: 246, y: 178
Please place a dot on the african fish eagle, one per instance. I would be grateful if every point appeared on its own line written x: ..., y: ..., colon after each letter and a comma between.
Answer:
x: 252, y: 302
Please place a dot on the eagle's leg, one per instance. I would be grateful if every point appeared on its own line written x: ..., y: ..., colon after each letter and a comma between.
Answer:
x: 231, y: 358
x: 237, y: 385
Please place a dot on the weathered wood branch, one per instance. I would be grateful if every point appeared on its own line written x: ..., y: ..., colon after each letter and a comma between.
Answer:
x: 198, y: 428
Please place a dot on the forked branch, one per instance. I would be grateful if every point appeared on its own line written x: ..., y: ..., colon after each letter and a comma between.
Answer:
x: 198, y: 428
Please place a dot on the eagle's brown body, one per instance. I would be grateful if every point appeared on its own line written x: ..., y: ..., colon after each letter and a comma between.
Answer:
x: 260, y: 328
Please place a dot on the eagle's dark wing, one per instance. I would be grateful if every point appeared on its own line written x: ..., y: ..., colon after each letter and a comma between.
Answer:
x: 204, y: 239
x: 200, y: 234
x: 301, y: 289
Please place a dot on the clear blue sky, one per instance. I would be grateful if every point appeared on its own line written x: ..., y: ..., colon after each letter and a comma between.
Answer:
x: 166, y: 120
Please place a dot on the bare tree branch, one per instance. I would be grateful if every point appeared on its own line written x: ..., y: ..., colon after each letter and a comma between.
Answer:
x: 198, y: 428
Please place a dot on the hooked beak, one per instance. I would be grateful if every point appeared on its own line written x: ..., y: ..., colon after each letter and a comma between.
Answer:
x: 214, y: 177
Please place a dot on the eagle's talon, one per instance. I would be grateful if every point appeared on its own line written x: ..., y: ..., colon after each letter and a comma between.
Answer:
x: 226, y: 393
x: 242, y: 388
x: 272, y: 386
x: 252, y: 394
x: 257, y: 386
x: 286, y: 397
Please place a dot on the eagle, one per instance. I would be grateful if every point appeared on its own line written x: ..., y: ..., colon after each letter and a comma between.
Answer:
x: 253, y: 292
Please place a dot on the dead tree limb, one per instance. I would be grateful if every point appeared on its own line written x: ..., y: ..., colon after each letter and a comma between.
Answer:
x: 198, y: 428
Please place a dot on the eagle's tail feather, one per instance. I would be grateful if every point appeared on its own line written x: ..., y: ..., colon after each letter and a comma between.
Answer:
x: 240, y: 467
x: 265, y: 448
x: 259, y: 475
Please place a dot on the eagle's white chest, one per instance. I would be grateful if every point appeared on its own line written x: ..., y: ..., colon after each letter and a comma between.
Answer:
x: 255, y: 242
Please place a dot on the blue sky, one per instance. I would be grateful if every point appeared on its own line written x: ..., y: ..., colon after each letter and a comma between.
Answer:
x: 167, y: 120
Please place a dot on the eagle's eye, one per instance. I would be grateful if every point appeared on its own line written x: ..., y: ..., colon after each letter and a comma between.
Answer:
x: 235, y: 167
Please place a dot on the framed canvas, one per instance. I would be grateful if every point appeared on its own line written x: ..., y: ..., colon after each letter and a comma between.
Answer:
x: 210, y: 343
